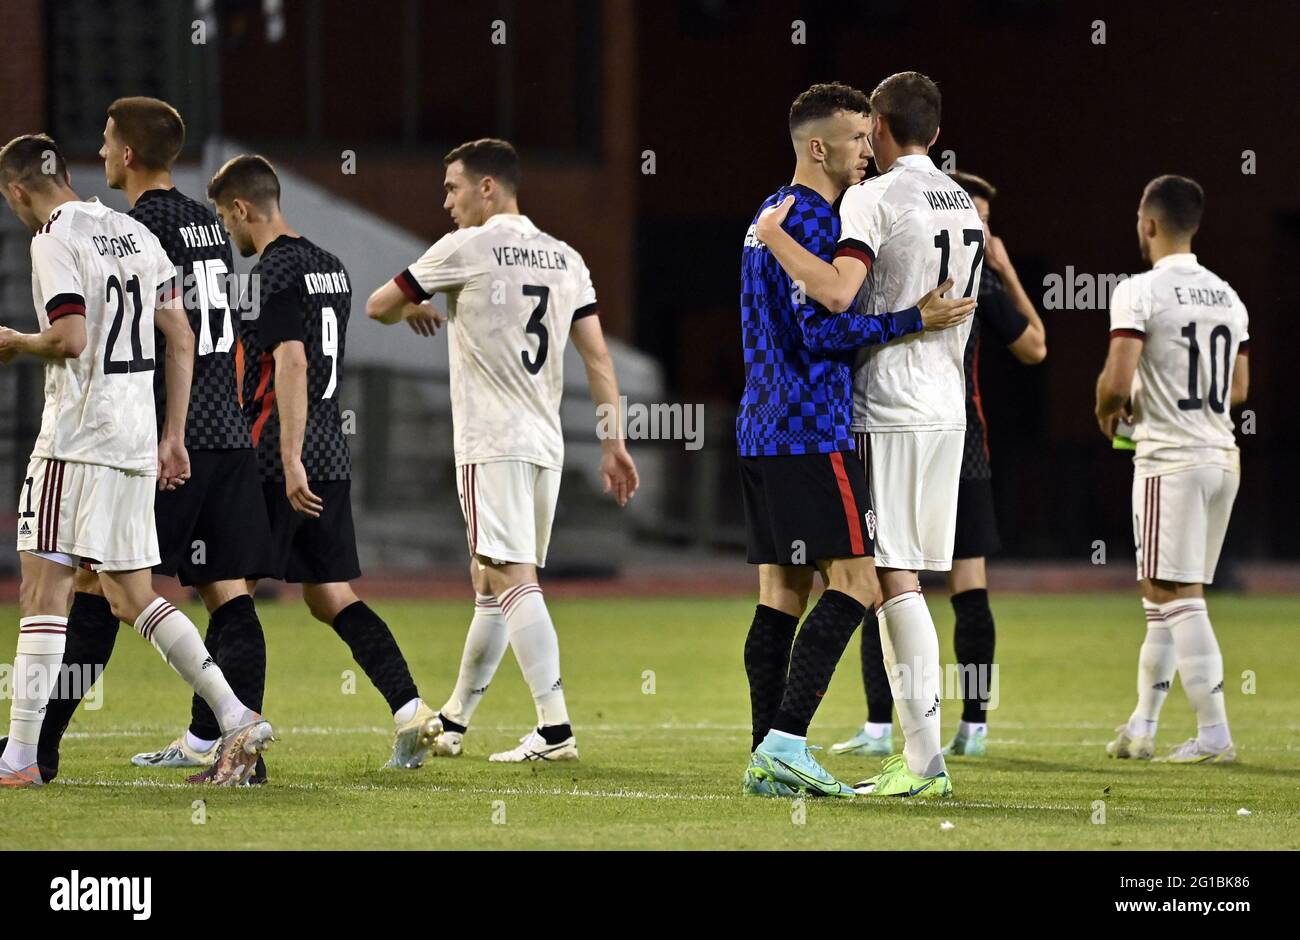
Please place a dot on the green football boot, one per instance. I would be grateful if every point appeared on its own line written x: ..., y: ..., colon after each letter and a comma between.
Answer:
x: 895, y: 779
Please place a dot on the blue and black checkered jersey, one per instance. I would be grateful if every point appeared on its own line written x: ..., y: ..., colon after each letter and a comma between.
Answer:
x: 798, y: 395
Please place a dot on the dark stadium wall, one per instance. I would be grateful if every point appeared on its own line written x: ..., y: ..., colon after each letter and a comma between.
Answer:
x: 22, y: 69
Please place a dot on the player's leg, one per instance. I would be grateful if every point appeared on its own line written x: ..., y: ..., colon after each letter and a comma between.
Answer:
x: 1198, y: 504
x: 244, y: 733
x: 973, y: 641
x: 42, y: 628
x: 92, y: 634
x: 876, y: 736
x: 1136, y: 738
x: 819, y: 501
x: 782, y: 598
x: 914, y: 531
x: 485, y: 646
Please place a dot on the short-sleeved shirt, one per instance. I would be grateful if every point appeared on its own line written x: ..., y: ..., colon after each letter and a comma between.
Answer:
x: 298, y: 291
x: 1193, y: 326
x: 914, y: 227
x: 798, y: 355
x: 513, y: 293
x: 196, y: 243
x: 89, y: 260
x: 996, y: 315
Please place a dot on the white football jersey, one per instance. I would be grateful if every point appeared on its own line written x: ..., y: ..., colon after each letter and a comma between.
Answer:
x: 916, y: 228
x: 512, y: 293
x: 91, y: 260
x: 1193, y: 326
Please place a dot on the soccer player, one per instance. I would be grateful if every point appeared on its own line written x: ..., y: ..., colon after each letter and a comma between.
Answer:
x: 1178, y: 352
x: 515, y: 296
x: 294, y: 350
x: 1008, y: 315
x: 99, y: 280
x: 903, y: 232
x: 212, y: 532
x: 804, y: 487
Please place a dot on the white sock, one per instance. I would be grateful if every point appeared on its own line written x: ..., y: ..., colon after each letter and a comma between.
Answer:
x: 877, y: 729
x: 36, y: 668
x: 1200, y: 666
x: 198, y: 744
x: 532, y: 637
x: 175, y: 637
x: 970, y: 729
x: 914, y: 679
x: 407, y: 711
x: 1156, y: 669
x: 485, y: 645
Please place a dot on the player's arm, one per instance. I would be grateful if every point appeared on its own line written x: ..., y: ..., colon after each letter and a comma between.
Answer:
x: 58, y: 282
x: 405, y: 298
x: 178, y: 372
x: 1030, y: 346
x: 825, y: 332
x: 291, y: 404
x: 1240, y: 377
x: 616, y: 467
x: 834, y: 286
x: 65, y: 339
x: 1116, y: 381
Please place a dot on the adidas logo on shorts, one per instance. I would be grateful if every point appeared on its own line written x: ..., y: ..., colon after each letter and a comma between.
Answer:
x: 24, y: 529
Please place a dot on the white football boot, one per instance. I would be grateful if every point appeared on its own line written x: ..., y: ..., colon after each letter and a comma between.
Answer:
x: 533, y: 746
x: 1131, y: 747
x: 177, y: 754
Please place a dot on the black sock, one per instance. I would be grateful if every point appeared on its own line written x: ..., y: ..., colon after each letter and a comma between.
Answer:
x: 817, y: 650
x: 92, y: 631
x: 767, y: 662
x: 972, y: 640
x: 554, y: 734
x: 376, y: 652
x: 449, y: 725
x: 875, y: 680
x: 237, y: 644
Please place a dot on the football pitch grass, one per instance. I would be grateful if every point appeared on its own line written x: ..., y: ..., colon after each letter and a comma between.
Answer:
x: 657, y: 692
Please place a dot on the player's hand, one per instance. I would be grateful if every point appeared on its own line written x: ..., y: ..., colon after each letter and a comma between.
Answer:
x: 424, y: 319
x: 8, y: 344
x: 1108, y: 422
x: 939, y: 312
x: 995, y: 254
x: 173, y: 463
x: 619, y: 474
x: 771, y: 218
x: 296, y: 487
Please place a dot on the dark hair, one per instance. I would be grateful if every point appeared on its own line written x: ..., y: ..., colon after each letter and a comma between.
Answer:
x: 488, y: 156
x: 249, y: 177
x: 974, y: 185
x: 821, y: 101
x: 25, y: 159
x: 1178, y: 201
x: 910, y: 102
x: 151, y: 128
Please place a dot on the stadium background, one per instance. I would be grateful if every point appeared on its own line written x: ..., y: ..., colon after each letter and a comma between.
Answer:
x: 595, y: 92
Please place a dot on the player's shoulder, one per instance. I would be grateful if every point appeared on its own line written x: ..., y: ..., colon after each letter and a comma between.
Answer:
x: 162, y: 207
x: 871, y: 192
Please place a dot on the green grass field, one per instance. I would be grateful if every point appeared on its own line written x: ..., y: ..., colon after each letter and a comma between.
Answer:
x: 662, y: 770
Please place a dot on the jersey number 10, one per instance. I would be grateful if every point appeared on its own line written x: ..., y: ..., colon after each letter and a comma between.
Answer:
x: 1220, y: 347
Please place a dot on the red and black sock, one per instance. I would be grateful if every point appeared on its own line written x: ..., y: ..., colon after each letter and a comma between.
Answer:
x: 875, y: 680
x: 817, y: 650
x: 973, y: 641
x: 92, y: 632
x: 376, y: 652
x: 767, y: 662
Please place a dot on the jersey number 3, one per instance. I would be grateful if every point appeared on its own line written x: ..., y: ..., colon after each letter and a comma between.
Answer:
x: 537, y: 328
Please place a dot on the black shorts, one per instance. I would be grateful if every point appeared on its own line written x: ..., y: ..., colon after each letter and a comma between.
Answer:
x: 214, y: 528
x: 313, y: 551
x: 977, y: 526
x: 806, y: 508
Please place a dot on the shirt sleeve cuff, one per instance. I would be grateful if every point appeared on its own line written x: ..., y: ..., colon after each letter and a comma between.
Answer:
x: 411, y: 287
x: 1243, y: 348
x: 852, y: 248
x: 590, y: 310
x: 1130, y: 333
x: 62, y: 305
x: 909, y: 321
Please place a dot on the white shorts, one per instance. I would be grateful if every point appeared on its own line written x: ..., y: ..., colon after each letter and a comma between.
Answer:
x: 509, y: 506
x: 94, y: 514
x: 914, y: 477
x: 1179, y: 521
